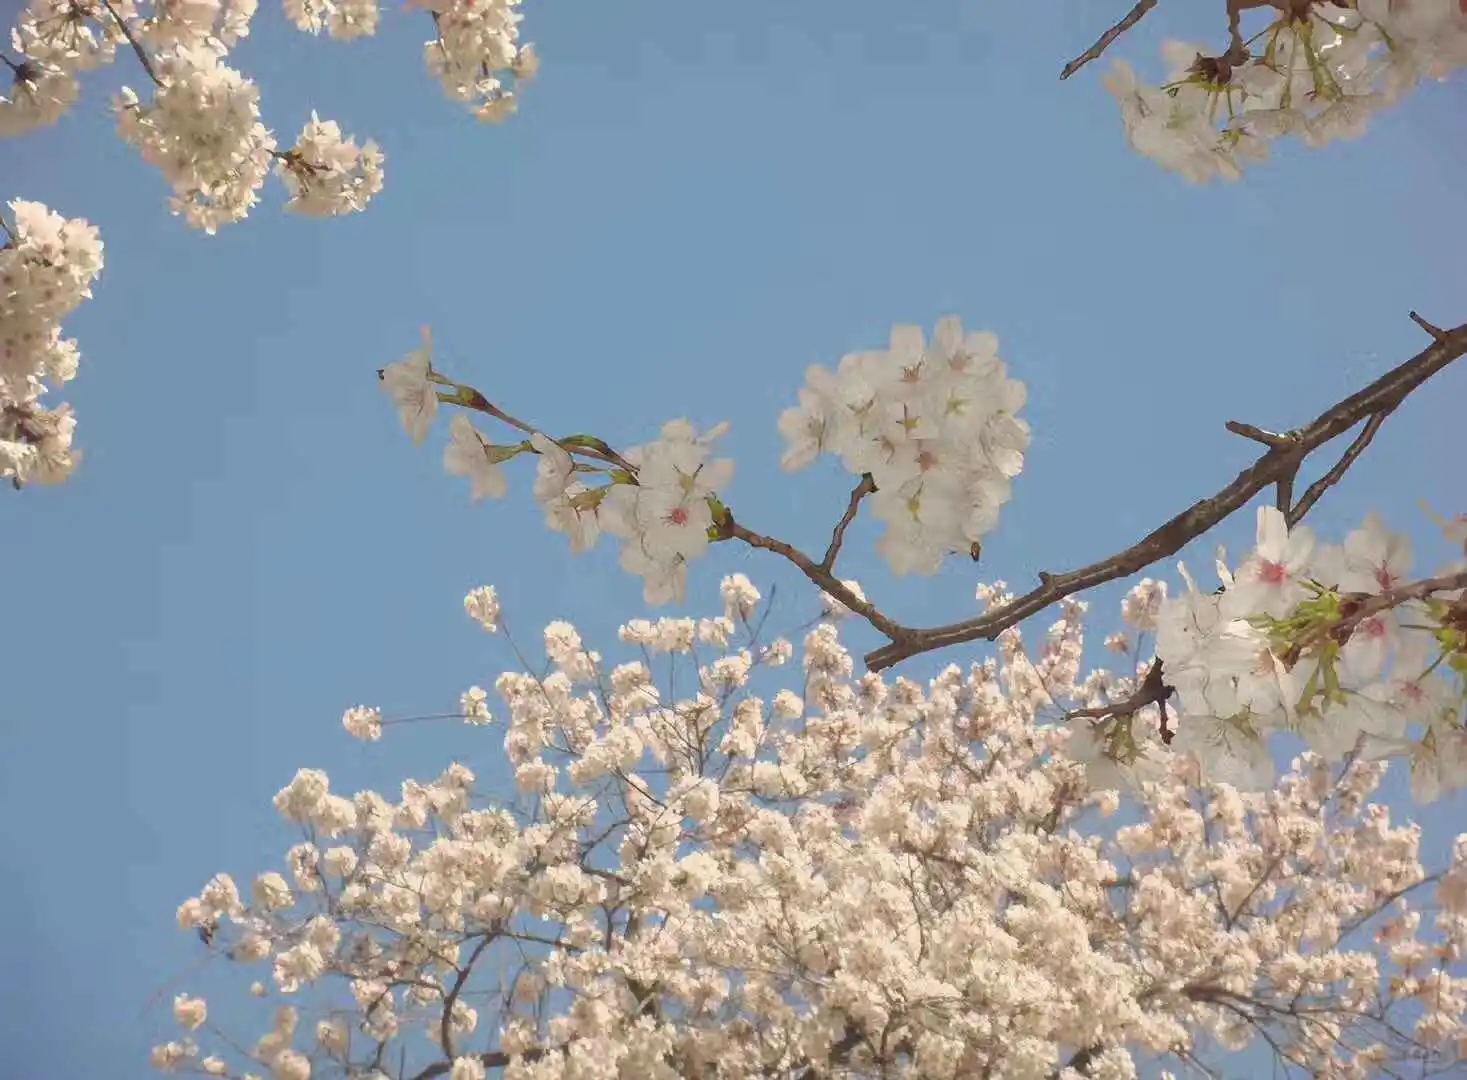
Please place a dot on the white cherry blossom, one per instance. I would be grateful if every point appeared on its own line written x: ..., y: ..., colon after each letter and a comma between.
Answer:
x: 407, y: 382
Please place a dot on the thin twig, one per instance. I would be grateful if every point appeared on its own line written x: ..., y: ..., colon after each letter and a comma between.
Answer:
x: 470, y: 398
x: 815, y: 572
x: 1296, y: 513
x: 445, y: 1028
x: 1381, y: 396
x: 1435, y: 331
x: 1284, y: 486
x: 1269, y: 439
x: 133, y: 41
x: 1131, y: 18
x: 859, y: 492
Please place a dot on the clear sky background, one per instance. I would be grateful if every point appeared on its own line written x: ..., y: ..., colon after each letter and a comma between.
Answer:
x: 693, y: 205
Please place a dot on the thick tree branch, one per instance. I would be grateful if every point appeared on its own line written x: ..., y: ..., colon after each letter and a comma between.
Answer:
x: 1282, y: 460
x: 1130, y: 19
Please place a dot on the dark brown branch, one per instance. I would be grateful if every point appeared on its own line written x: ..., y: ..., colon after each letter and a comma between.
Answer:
x: 1380, y: 397
x: 445, y: 1030
x: 822, y: 577
x: 1284, y: 487
x: 1130, y: 19
x: 1270, y: 439
x: 859, y: 492
x: 1152, y: 691
x: 1435, y: 331
x: 1082, y: 1059
x: 838, y: 1053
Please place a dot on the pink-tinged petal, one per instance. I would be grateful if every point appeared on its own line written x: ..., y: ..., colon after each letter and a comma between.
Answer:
x: 907, y: 342
x: 716, y: 475
x: 1297, y: 550
x: 678, y: 431
x: 1272, y: 535
x: 982, y: 345
x: 947, y: 338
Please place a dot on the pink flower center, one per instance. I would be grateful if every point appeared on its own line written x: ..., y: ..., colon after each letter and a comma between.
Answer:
x: 1372, y: 628
x: 679, y: 515
x: 1384, y: 579
x: 1272, y: 573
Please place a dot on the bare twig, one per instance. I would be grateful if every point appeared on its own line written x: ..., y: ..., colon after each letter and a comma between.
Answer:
x: 1081, y: 1060
x: 1380, y: 397
x: 859, y: 492
x: 445, y: 1028
x: 1295, y: 514
x: 1284, y: 486
x: 1269, y: 439
x: 1435, y: 331
x: 1152, y: 691
x: 132, y: 40
x: 817, y: 573
x: 1130, y: 19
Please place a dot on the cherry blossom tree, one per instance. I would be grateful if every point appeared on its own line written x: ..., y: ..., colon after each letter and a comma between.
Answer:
x: 838, y: 876
x: 833, y: 874
x: 805, y: 872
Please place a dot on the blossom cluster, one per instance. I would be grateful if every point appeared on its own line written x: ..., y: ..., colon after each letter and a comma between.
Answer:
x: 932, y: 427
x: 47, y: 266
x: 1304, y: 638
x: 936, y: 427
x: 846, y: 876
x: 202, y: 125
x: 658, y: 499
x: 1319, y: 71
x: 476, y: 46
x: 1330, y: 642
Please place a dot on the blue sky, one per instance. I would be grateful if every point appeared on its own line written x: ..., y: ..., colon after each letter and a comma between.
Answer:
x: 690, y: 208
